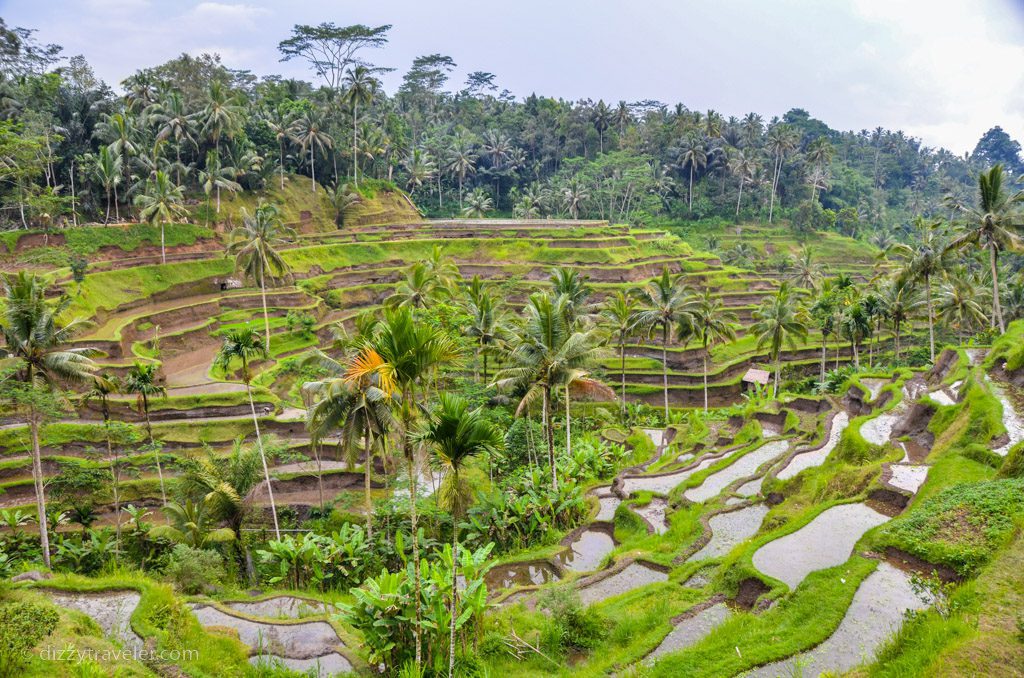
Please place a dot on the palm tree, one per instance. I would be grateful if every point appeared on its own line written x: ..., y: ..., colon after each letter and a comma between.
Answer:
x: 161, y: 204
x: 711, y: 322
x: 244, y: 346
x: 254, y: 245
x: 488, y: 324
x: 900, y: 301
x: 959, y: 307
x: 308, y: 134
x: 409, y: 353
x: 34, y: 345
x: 922, y: 263
x: 191, y: 523
x: 456, y: 434
x: 215, y: 177
x: 665, y: 303
x: 420, y: 167
x: 855, y: 323
x: 118, y: 130
x: 280, y: 124
x: 173, y: 122
x: 567, y: 282
x: 102, y: 387
x: 222, y: 115
x: 782, y: 140
x: 994, y: 224
x: 544, y: 351
x: 619, y: 310
x: 141, y: 380
x: 823, y: 313
x: 478, y: 204
x: 419, y: 288
x: 108, y: 173
x: 360, y: 88
x: 780, y: 322
x: 806, y: 272
x: 573, y: 196
x: 359, y: 406
x: 462, y: 159
x: 579, y: 381
x: 693, y: 155
x: 744, y: 167
x: 602, y: 118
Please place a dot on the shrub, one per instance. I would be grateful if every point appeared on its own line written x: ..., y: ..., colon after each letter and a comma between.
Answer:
x: 22, y: 626
x: 578, y: 627
x: 1013, y: 465
x: 193, y: 570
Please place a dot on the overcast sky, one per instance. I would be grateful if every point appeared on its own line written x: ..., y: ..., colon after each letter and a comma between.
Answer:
x: 941, y: 70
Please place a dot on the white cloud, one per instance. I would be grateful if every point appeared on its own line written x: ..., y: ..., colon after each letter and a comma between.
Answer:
x: 226, y: 16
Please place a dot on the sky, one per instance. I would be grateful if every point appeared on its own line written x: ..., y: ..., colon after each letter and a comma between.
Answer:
x: 944, y: 71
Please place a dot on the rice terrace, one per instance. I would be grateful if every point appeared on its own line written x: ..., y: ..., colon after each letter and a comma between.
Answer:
x: 363, y: 370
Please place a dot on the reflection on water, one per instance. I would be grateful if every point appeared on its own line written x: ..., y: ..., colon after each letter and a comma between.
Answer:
x: 532, y: 573
x: 586, y: 553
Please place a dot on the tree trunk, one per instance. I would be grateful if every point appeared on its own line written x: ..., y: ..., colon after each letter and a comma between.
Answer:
x: 455, y: 597
x: 411, y: 462
x: 997, y: 307
x: 690, y: 192
x: 367, y: 470
x: 319, y: 472
x: 778, y: 365
x: 568, y: 420
x: 263, y: 458
x: 266, y: 315
x: 312, y: 165
x: 823, y: 344
x: 705, y: 359
x: 156, y: 452
x: 106, y: 219
x: 549, y: 436
x: 931, y: 318
x: 163, y: 246
x: 775, y: 181
x: 280, y: 147
x: 355, y: 132
x: 117, y: 209
x: 622, y: 355
x: 664, y: 367
x: 739, y: 198
x: 115, y: 474
x: 37, y: 479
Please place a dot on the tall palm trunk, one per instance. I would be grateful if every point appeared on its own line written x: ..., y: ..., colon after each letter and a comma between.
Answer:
x: 163, y: 245
x: 106, y: 219
x: 263, y: 456
x: 622, y: 356
x: 156, y: 452
x: 739, y: 198
x: 319, y: 471
x: 367, y: 469
x: 689, y: 194
x: 705, y: 359
x: 312, y: 165
x: 266, y: 315
x: 931, y: 317
x: 549, y: 435
x: 280, y: 148
x: 411, y: 462
x: 114, y: 478
x: 355, y: 132
x: 455, y: 595
x: 37, y: 480
x: 997, y: 307
x: 775, y: 183
x: 664, y: 366
x: 778, y: 366
x: 117, y: 209
x: 568, y: 423
x: 824, y: 341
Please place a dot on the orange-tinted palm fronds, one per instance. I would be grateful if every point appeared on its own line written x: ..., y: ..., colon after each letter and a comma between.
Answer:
x: 367, y: 364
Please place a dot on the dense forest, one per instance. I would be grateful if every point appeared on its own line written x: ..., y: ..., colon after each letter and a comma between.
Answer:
x: 75, y: 150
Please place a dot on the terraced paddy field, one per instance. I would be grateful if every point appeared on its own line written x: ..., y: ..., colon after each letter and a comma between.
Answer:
x: 769, y: 536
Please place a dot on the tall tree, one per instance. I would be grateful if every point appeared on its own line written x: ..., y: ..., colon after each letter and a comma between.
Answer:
x: 330, y: 49
x: 711, y: 322
x: 35, y: 346
x: 455, y: 434
x: 619, y: 313
x: 782, y: 140
x: 664, y: 303
x: 360, y: 88
x: 242, y: 346
x: 141, y: 381
x: 993, y: 224
x: 308, y: 133
x: 254, y: 245
x: 160, y: 204
x: 922, y: 263
x: 780, y: 321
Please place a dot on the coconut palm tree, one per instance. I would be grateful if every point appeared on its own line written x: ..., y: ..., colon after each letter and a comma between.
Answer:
x: 781, y: 141
x: 359, y: 407
x: 119, y: 132
x: 855, y: 324
x: 665, y: 303
x: 173, y: 121
x: 418, y: 289
x: 959, y: 307
x: 242, y: 346
x: 619, y: 314
x: 780, y: 321
x: 692, y: 155
x: 35, y: 346
x: 409, y: 353
x: 108, y: 173
x: 823, y: 313
x: 488, y: 322
x: 805, y: 272
x: 141, y: 381
x: 573, y: 196
x: 308, y: 133
x: 743, y: 168
x: 462, y: 158
x: 901, y: 301
x: 602, y: 117
x: 360, y: 88
x: 192, y: 524
x: 255, y: 245
x: 161, y: 203
x: 214, y: 177
x: 922, y: 263
x: 993, y: 224
x: 711, y: 322
x: 222, y: 115
x: 420, y: 168
x: 102, y: 386
x: 478, y: 204
x: 544, y: 350
x: 280, y: 124
x: 455, y: 434
x: 579, y: 382
x: 567, y: 282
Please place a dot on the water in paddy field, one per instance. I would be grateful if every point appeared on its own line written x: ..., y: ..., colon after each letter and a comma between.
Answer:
x: 662, y: 484
x: 587, y: 552
x: 533, y: 573
x: 278, y: 606
x: 729, y: 529
x: 631, y: 577
x: 1011, y: 420
x: 654, y: 514
x: 874, y: 387
x: 878, y: 431
x: 806, y: 460
x: 111, y: 611
x: 875, y: 614
x: 741, y: 468
x: 826, y: 541
x: 692, y: 630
